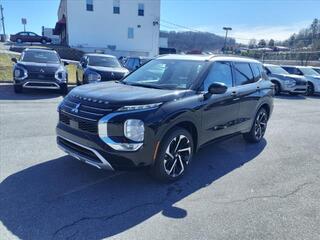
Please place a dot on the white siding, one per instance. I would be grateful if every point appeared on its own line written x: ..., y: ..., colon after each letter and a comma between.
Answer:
x: 95, y: 30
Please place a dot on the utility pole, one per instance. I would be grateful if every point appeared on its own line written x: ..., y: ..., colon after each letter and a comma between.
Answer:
x: 2, y: 20
x: 225, y: 39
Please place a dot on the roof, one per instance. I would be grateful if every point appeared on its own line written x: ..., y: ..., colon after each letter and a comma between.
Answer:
x: 207, y: 58
x: 99, y: 55
x: 40, y: 49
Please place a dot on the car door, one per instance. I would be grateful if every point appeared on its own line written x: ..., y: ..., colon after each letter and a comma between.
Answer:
x: 247, y: 77
x: 33, y: 37
x: 23, y: 36
x: 221, y: 111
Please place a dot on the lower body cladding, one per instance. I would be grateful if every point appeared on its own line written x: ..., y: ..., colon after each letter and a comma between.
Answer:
x: 89, y: 148
x: 298, y: 89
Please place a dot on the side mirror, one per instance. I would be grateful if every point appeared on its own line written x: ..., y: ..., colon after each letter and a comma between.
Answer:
x: 217, y: 88
x: 84, y: 64
x: 14, y: 60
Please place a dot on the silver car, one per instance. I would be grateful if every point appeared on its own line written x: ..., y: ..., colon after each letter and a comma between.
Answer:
x: 311, y: 75
x: 284, y: 81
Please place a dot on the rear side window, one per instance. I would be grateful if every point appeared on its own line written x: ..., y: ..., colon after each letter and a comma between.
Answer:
x: 256, y: 71
x: 293, y: 70
x: 219, y: 72
x: 243, y: 73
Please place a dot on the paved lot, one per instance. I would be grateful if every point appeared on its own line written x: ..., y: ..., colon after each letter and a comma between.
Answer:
x: 235, y: 191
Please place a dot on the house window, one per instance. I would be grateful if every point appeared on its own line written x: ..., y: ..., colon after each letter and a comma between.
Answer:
x: 90, y: 5
x: 116, y: 6
x: 130, y: 33
x: 141, y: 9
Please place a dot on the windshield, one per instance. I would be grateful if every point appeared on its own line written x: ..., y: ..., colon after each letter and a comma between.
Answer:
x: 277, y: 70
x: 101, y: 61
x: 40, y: 57
x: 167, y: 74
x: 309, y: 72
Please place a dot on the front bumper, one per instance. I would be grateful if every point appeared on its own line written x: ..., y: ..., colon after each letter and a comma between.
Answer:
x: 296, y: 89
x: 39, y: 84
x: 89, y: 148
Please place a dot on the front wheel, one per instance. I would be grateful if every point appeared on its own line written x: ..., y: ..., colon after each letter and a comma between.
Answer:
x: 259, y: 127
x: 174, y: 155
x: 277, y: 88
x: 64, y: 89
x: 310, y: 89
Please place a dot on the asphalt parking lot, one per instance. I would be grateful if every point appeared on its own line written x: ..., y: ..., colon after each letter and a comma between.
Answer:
x: 233, y: 190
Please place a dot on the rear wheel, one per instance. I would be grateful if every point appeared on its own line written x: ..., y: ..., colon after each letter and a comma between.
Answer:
x: 259, y: 127
x: 175, y: 154
x: 19, y: 40
x: 43, y: 41
x: 17, y: 88
x: 310, y: 89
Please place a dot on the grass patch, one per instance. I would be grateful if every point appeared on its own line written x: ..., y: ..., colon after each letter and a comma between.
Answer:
x: 6, y: 68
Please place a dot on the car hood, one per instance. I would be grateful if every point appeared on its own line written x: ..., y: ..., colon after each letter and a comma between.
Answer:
x: 313, y: 77
x: 120, y: 94
x: 290, y: 76
x: 36, y: 67
x: 108, y: 69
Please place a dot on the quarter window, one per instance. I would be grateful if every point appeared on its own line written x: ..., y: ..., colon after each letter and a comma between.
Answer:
x: 219, y: 72
x: 89, y: 5
x: 141, y: 9
x: 243, y: 74
x: 116, y: 6
x: 130, y: 33
x: 256, y: 71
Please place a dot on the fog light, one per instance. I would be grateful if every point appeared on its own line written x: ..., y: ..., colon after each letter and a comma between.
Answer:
x: 134, y: 130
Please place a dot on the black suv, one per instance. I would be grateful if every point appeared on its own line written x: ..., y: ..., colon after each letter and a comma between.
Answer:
x: 96, y: 67
x: 40, y: 68
x: 162, y: 113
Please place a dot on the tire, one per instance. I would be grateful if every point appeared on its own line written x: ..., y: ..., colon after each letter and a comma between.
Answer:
x: 277, y: 88
x: 77, y: 80
x: 171, y: 163
x: 19, y: 40
x: 259, y: 127
x: 17, y: 88
x: 310, y: 89
x: 64, y: 89
x: 43, y: 41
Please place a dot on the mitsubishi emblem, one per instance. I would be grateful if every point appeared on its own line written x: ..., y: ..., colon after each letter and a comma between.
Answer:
x: 76, y: 108
x: 41, y: 70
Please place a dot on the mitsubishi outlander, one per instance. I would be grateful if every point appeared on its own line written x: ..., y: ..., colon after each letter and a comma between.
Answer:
x: 161, y: 114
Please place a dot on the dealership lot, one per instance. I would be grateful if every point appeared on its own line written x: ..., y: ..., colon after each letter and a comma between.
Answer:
x: 233, y: 190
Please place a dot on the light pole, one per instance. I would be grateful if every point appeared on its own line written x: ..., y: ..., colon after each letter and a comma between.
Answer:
x: 225, y: 39
x: 2, y: 20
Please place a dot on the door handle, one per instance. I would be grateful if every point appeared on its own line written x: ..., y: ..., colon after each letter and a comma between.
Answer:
x: 234, y: 93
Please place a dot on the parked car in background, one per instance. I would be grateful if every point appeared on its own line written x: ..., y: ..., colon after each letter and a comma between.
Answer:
x: 133, y: 63
x: 40, y: 68
x: 311, y: 75
x: 163, y: 121
x: 29, y: 37
x: 317, y: 69
x: 284, y: 81
x: 96, y: 67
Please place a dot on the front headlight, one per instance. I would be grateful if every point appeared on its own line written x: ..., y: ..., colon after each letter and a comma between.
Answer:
x: 134, y: 130
x: 94, y: 77
x: 139, y: 107
x: 20, y: 73
x: 61, y: 75
x: 290, y: 82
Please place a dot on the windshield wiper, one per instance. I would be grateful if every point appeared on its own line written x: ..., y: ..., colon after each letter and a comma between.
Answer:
x: 144, y: 85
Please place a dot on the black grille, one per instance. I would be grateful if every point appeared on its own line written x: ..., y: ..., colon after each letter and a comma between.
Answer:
x: 109, y: 76
x: 87, y: 126
x: 45, y: 76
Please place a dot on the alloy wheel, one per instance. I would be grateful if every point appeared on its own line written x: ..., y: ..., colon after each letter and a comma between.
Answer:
x: 260, y: 124
x: 177, y: 156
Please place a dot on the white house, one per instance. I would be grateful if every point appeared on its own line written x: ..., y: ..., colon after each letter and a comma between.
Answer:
x: 118, y: 27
